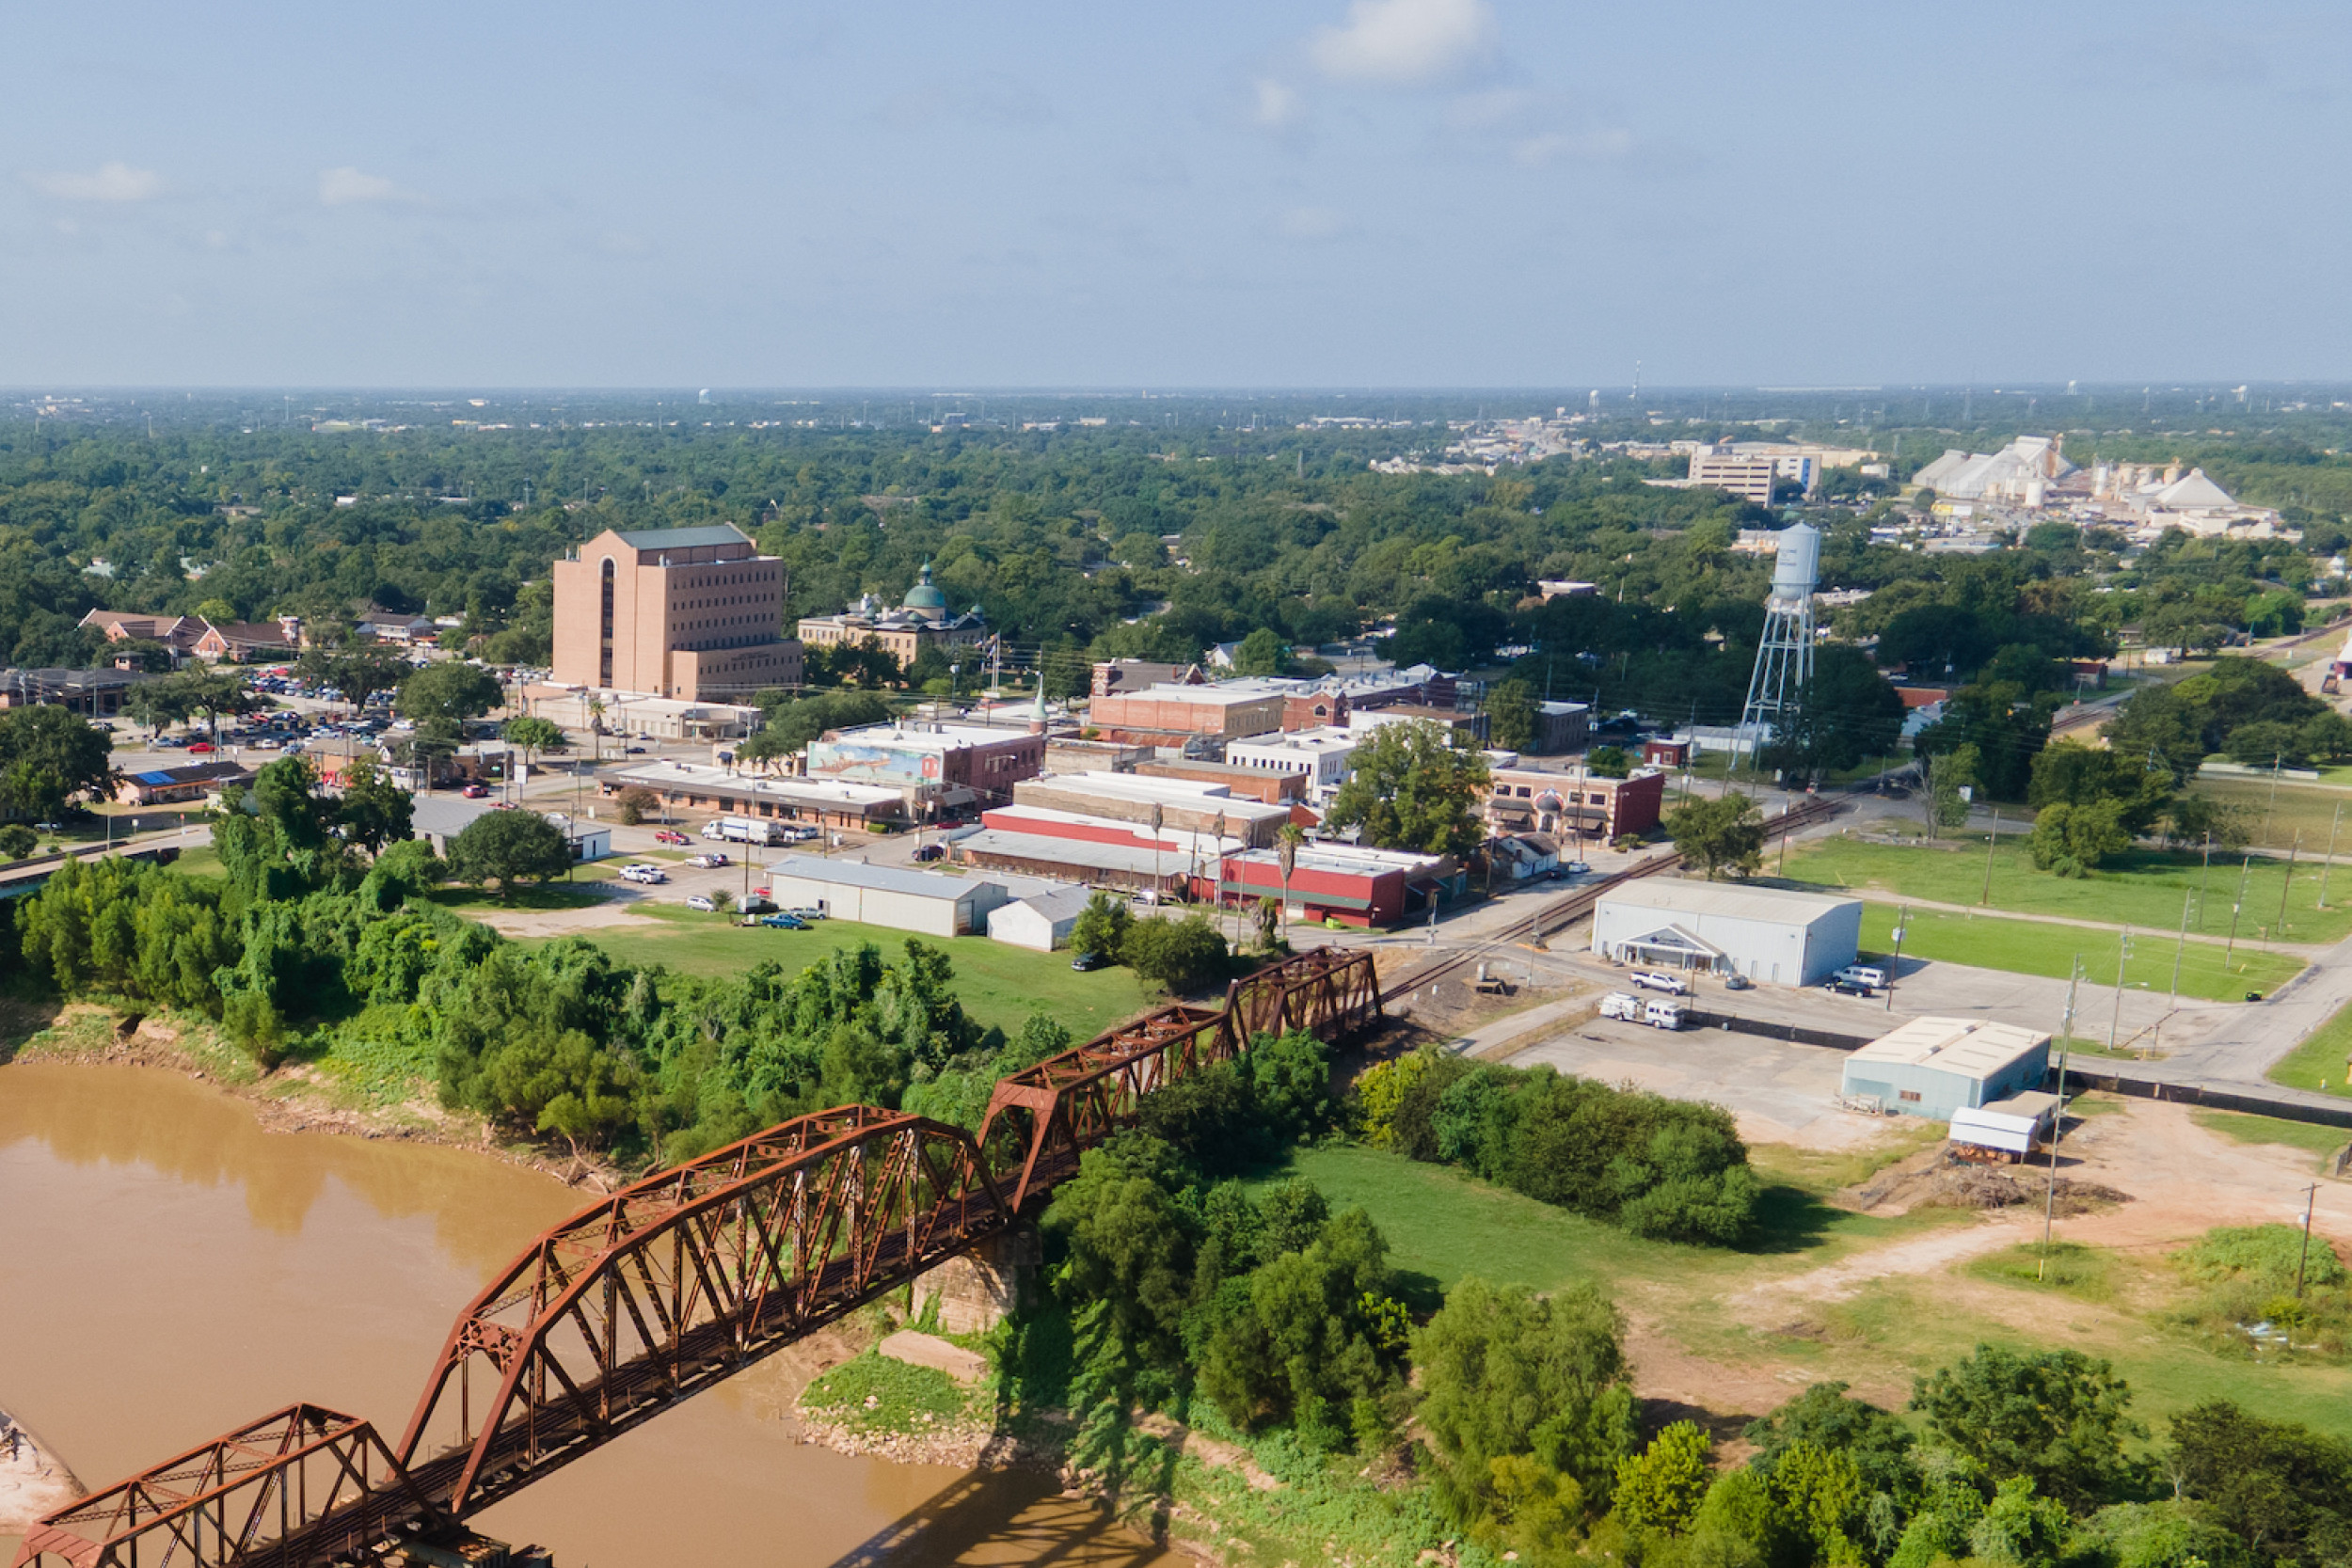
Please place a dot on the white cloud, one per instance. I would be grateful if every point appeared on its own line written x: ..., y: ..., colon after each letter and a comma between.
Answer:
x: 1587, y: 147
x: 345, y: 186
x: 111, y: 183
x: 1277, y: 105
x: 1313, y: 223
x: 1405, y: 41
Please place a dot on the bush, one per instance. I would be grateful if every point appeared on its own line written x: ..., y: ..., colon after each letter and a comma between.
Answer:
x: 634, y: 803
x: 1182, y: 955
x: 1102, y: 928
x: 17, y: 841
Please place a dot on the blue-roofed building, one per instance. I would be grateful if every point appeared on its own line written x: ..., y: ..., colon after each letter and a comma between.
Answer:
x: 192, y: 781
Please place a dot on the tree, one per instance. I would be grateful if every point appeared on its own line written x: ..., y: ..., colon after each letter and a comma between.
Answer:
x: 534, y: 736
x: 47, y: 755
x: 358, y: 670
x: 1262, y: 653
x: 1506, y: 1374
x: 1609, y: 762
x: 507, y: 848
x: 374, y: 811
x: 17, y: 841
x: 632, y: 804
x: 1513, y: 719
x: 2055, y: 1417
x: 1297, y: 1342
x: 1723, y: 834
x: 2067, y: 772
x: 2074, y: 841
x: 2287, y: 1490
x: 1659, y: 1488
x: 1184, y: 956
x: 1102, y: 928
x: 1849, y: 714
x: 1413, y: 790
x: 1947, y: 780
x: 453, y: 690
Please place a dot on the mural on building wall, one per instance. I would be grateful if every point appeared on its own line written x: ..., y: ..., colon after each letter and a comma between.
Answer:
x: 850, y: 762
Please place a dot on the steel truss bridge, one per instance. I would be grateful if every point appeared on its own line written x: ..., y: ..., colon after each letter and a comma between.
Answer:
x: 667, y: 1287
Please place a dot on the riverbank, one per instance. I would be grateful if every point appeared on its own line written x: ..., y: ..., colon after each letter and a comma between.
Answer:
x: 290, y: 1099
x: 33, y: 1480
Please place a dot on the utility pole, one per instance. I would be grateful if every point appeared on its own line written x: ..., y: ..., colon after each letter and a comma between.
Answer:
x: 2289, y: 884
x: 2245, y: 866
x: 2277, y: 758
x: 2057, y: 1120
x: 2179, y: 952
x: 2310, y: 1193
x: 2123, y: 959
x: 1990, y: 840
x: 1902, y: 920
x: 2204, y: 878
x: 2333, y: 824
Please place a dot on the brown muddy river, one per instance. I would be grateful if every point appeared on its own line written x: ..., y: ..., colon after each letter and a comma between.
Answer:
x: 168, y: 1269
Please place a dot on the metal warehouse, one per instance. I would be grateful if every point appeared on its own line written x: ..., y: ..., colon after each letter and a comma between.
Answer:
x: 1767, y: 934
x: 921, y: 901
x: 1935, y: 1067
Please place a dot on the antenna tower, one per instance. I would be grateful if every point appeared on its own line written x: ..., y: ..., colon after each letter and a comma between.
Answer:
x: 1784, y: 660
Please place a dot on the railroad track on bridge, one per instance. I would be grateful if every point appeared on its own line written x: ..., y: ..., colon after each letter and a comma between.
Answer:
x: 667, y: 1287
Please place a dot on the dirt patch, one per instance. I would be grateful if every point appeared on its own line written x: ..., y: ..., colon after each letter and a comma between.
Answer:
x: 1934, y: 1179
x: 533, y: 924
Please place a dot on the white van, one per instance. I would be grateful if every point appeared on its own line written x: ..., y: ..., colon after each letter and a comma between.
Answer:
x: 1864, y: 974
x: 745, y: 829
x: 1622, y: 1005
x: 1664, y: 1015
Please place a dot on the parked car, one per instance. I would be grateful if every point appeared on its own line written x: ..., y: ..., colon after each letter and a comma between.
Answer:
x: 931, y: 852
x: 1658, y: 979
x: 670, y: 835
x: 1840, y: 986
x: 804, y: 912
x: 1622, y: 1005
x: 700, y: 902
x: 709, y: 858
x: 646, y: 873
x: 475, y: 792
x: 762, y: 892
x: 1864, y: 974
x: 783, y: 922
x: 636, y: 750
x: 1082, y: 962
x: 758, y: 903
x: 1738, y: 982
x: 1574, y: 869
x: 1664, y: 1015
x: 200, y: 745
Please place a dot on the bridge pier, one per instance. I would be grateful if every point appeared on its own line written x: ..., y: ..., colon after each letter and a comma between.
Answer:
x: 975, y: 1290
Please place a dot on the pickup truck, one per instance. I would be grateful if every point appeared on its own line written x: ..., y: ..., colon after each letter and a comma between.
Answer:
x: 1658, y: 979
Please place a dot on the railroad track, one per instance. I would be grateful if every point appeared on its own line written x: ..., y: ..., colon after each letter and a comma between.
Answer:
x: 1572, y: 907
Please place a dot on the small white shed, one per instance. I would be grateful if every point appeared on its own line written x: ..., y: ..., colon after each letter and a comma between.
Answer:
x: 1041, y: 920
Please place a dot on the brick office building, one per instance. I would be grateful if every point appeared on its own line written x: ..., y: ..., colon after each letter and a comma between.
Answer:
x: 694, y: 613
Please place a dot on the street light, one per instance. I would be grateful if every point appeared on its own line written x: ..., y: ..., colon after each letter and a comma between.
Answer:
x: 1894, y: 969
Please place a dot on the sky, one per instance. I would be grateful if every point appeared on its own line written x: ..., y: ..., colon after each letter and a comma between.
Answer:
x: 1321, y: 192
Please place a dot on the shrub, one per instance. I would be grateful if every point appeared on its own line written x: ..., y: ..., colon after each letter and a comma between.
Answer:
x: 1184, y: 956
x: 634, y: 803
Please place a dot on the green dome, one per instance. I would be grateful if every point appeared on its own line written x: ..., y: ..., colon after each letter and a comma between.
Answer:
x: 923, y: 596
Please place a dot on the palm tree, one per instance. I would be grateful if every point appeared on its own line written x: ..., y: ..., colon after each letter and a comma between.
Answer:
x: 1286, y: 844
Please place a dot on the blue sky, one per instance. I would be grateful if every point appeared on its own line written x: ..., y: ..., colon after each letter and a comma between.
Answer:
x: 1440, y: 193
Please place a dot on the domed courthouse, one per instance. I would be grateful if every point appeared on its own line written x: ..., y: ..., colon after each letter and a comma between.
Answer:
x: 922, y: 621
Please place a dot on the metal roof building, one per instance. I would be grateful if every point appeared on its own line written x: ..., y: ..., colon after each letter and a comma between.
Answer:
x: 921, y: 901
x: 1043, y: 921
x: 1935, y: 1067
x: 1771, y: 935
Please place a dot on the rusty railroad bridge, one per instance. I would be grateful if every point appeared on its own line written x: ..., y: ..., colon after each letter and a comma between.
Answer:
x: 667, y: 1287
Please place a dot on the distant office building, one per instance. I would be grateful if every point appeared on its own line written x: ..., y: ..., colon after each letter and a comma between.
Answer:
x: 691, y: 613
x: 1748, y: 478
x: 923, y: 621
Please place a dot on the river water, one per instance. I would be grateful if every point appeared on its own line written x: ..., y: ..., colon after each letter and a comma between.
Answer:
x: 168, y: 1269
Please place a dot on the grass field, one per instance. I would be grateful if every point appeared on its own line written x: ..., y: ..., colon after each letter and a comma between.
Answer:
x: 2323, y: 1062
x: 2238, y: 1127
x: 2032, y: 947
x: 996, y: 983
x: 1442, y: 1226
x: 2302, y: 807
x: 2144, y: 889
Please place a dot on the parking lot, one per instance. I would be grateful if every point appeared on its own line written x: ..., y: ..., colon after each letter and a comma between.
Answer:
x: 1780, y: 1093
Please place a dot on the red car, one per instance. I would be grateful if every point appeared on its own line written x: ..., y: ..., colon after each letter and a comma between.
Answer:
x: 761, y: 893
x: 666, y: 835
x: 200, y: 745
x: 474, y: 792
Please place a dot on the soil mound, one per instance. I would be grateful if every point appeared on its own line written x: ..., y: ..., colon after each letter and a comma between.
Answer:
x: 1938, y: 1180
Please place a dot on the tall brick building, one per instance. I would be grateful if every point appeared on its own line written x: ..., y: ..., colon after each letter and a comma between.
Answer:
x: 694, y: 613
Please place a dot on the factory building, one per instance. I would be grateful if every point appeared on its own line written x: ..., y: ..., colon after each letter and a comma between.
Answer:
x: 1938, y: 1067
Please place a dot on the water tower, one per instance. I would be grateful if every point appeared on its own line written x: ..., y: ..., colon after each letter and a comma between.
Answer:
x: 1784, y: 660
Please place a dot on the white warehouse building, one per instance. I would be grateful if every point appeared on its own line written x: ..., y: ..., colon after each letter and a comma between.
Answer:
x: 1770, y: 935
x: 919, y: 901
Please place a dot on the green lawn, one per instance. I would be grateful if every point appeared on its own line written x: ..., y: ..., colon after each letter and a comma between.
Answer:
x: 2031, y: 947
x: 1442, y: 1226
x: 2301, y: 806
x: 2239, y: 1126
x: 2144, y: 889
x: 998, y: 984
x: 2323, y: 1062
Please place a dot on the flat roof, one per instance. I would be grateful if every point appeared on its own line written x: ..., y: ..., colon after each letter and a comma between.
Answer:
x: 1352, y: 858
x: 1175, y: 841
x: 1973, y: 1048
x: 674, y: 775
x: 1199, y: 793
x: 1676, y: 896
x: 1084, y: 854
x: 923, y: 735
x: 683, y: 538
x: 1327, y: 738
x: 878, y: 879
x: 1222, y: 693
